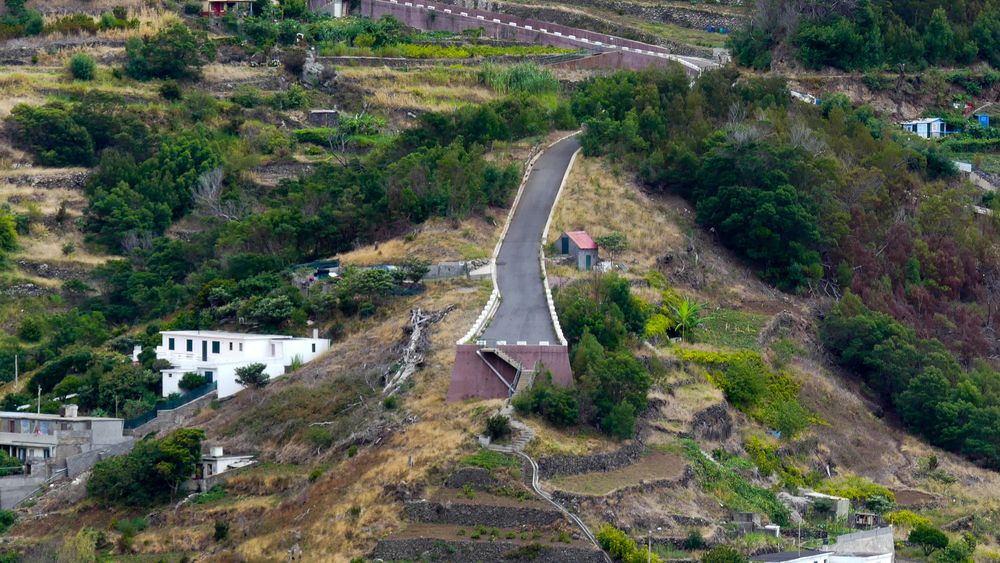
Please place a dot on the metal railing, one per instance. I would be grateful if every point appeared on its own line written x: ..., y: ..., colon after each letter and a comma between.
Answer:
x: 170, y: 404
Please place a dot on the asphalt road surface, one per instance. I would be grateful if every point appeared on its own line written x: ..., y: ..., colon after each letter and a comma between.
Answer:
x: 524, y: 313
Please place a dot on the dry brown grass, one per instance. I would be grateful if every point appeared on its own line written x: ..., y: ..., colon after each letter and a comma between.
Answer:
x: 437, y: 240
x: 655, y: 466
x: 425, y: 89
x: 599, y: 202
x: 553, y: 441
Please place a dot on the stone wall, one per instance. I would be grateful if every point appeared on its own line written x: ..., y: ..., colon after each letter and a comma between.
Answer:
x: 475, y: 477
x: 427, y: 549
x: 462, y: 514
x: 574, y: 501
x: 549, y: 467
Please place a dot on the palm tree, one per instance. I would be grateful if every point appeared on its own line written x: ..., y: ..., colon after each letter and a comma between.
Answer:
x: 686, y: 315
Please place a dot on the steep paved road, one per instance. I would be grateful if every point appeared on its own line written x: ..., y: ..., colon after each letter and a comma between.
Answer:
x: 523, y: 314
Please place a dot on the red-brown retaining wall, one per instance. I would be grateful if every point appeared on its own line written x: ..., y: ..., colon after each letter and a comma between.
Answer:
x: 471, y: 378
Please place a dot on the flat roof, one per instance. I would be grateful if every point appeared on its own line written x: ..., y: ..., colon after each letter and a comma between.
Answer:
x: 789, y: 555
x: 234, y: 335
x: 33, y: 416
x: 921, y: 121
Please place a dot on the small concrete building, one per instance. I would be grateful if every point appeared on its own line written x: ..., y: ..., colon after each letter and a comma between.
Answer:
x: 217, y: 355
x: 579, y: 245
x: 839, y: 506
x: 51, y: 446
x: 211, y: 469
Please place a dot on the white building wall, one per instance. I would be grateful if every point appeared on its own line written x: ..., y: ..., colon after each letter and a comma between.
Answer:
x: 234, y: 351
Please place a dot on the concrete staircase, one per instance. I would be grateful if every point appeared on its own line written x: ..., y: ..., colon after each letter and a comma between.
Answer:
x: 523, y: 435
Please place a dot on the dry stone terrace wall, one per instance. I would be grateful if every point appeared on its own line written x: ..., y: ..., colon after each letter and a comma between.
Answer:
x: 428, y: 549
x: 549, y: 467
x: 471, y: 514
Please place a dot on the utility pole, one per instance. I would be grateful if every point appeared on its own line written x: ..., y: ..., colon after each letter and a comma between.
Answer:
x: 39, y: 411
x: 15, y: 369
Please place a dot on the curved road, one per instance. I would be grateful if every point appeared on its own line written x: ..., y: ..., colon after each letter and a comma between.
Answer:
x: 523, y: 315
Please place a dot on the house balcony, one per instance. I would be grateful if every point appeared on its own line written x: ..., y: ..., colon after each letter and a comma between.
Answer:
x: 28, y: 439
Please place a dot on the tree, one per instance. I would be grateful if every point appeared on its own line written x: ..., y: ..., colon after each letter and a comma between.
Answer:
x: 939, y: 38
x: 620, y: 421
x: 721, y: 553
x: 685, y: 316
x: 174, y: 52
x: 151, y: 473
x: 252, y: 376
x: 53, y: 136
x: 928, y: 538
x: 190, y: 381
x: 82, y: 67
x: 615, y: 243
x: 986, y: 32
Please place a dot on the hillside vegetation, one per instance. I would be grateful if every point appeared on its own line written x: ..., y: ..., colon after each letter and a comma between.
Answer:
x: 866, y: 34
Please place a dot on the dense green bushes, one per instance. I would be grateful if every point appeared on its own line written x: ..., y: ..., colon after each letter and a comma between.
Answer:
x: 82, y: 67
x: 611, y: 385
x: 19, y: 20
x: 174, y: 52
x: 955, y: 409
x: 874, y: 34
x: 150, y: 474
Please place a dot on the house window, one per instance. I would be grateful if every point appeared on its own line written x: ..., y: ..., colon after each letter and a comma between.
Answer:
x: 272, y: 349
x: 314, y: 347
x: 190, y: 345
x: 241, y: 346
x: 215, y: 346
x: 170, y: 343
x: 230, y: 346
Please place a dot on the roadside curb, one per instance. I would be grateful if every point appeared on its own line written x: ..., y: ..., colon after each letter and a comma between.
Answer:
x: 494, y: 302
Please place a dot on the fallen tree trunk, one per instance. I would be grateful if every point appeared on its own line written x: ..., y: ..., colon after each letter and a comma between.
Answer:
x: 413, y: 352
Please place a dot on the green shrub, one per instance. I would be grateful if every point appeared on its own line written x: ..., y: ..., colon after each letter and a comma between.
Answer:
x: 151, y: 473
x: 190, y: 381
x: 529, y: 78
x: 82, y: 67
x: 246, y: 96
x: 170, y: 90
x: 556, y: 404
x: 7, y: 519
x: 352, y: 450
x: 491, y: 460
x: 173, y: 52
x: 927, y: 538
x: 53, y: 136
x: 498, y: 427
x: 221, y: 530
x: 215, y: 494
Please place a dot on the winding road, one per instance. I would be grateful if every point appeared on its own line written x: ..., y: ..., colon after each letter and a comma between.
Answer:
x: 523, y: 315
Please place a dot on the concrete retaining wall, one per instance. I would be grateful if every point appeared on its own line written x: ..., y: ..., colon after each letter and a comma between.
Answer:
x: 460, y: 514
x: 16, y: 488
x: 77, y: 464
x: 869, y: 541
x: 444, y: 17
x: 174, y: 418
x: 427, y: 549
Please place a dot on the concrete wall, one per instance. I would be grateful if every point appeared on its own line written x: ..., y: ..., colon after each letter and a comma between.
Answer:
x: 444, y: 17
x: 77, y: 464
x: 16, y: 488
x: 878, y: 541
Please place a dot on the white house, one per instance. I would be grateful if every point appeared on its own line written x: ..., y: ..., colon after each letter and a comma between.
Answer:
x: 929, y: 128
x: 216, y: 355
x: 218, y: 462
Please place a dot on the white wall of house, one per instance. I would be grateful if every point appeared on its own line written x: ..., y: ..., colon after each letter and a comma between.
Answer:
x: 220, y: 354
